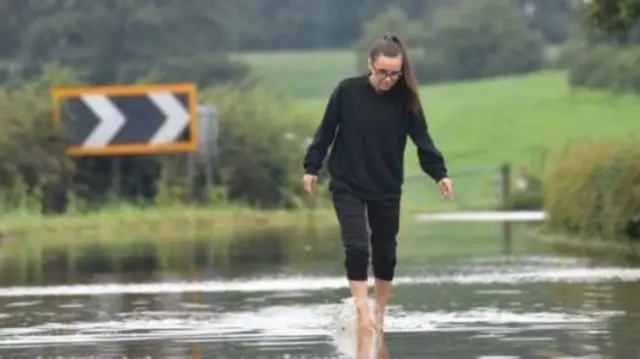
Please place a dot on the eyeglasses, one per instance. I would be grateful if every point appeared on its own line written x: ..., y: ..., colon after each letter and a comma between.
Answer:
x: 387, y: 73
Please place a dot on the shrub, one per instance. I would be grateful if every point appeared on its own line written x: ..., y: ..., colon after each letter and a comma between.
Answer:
x: 529, y: 198
x: 33, y: 160
x: 604, y: 66
x: 262, y: 141
x: 593, y: 190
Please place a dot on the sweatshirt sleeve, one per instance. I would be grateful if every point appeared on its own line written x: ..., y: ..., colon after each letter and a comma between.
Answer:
x: 324, y: 135
x: 431, y: 159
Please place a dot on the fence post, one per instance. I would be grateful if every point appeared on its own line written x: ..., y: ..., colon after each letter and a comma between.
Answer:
x: 505, y: 187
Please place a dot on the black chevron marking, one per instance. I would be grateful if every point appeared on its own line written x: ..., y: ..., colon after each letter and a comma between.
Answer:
x: 78, y: 119
x: 143, y: 119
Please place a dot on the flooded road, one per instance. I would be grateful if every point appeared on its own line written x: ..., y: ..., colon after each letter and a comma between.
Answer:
x: 259, y: 302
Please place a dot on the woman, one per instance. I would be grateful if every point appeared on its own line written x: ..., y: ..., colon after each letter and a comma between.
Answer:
x: 368, y: 119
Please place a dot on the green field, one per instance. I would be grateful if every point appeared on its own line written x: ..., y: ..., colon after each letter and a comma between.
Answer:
x: 310, y: 74
x: 479, y: 125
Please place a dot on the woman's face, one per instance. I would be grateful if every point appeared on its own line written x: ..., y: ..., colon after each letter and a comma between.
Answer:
x: 386, y: 71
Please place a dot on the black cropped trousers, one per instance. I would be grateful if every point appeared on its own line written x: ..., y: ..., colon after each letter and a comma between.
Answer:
x: 368, y: 230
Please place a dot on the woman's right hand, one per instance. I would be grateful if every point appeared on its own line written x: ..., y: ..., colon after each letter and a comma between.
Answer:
x: 309, y: 182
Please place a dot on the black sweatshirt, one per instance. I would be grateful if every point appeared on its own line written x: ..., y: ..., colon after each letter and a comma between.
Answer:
x: 370, y: 131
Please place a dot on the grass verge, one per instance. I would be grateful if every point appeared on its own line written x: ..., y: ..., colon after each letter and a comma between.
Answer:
x: 156, y: 223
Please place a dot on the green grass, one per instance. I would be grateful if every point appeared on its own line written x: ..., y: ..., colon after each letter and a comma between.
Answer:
x: 309, y: 74
x: 169, y: 223
x: 479, y: 125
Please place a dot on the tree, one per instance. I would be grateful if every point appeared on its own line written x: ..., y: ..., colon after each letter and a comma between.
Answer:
x: 612, y: 15
x: 482, y: 38
x: 551, y: 17
x: 114, y: 41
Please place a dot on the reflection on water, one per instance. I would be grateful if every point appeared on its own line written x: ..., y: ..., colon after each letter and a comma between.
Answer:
x: 277, y: 295
x: 146, y: 260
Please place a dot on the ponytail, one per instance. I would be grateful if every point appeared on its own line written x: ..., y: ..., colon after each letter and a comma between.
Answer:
x: 409, y: 78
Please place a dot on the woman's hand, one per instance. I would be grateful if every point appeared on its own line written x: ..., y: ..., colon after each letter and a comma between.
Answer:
x: 446, y: 187
x: 309, y: 182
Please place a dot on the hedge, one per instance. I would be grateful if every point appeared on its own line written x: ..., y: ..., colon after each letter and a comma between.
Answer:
x: 604, y: 66
x: 593, y: 191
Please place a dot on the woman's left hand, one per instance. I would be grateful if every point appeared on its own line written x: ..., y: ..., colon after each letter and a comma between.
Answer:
x: 446, y: 187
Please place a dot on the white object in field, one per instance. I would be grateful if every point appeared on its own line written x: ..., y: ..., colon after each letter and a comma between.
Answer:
x: 346, y: 335
x: 488, y: 216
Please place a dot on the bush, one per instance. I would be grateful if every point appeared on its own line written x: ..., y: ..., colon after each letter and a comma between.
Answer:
x: 529, y: 198
x: 262, y: 140
x: 593, y: 190
x: 604, y: 66
x: 33, y: 160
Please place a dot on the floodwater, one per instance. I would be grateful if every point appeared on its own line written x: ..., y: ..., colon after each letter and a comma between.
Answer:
x: 276, y: 295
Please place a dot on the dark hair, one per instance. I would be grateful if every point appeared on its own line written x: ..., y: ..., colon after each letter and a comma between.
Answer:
x: 390, y: 45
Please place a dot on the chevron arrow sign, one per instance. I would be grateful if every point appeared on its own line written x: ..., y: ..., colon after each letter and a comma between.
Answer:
x: 128, y: 120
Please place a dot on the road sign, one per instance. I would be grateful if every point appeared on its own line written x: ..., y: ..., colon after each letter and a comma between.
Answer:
x: 128, y: 120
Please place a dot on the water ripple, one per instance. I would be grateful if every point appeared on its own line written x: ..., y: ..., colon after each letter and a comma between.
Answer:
x: 302, y: 283
x: 282, y: 324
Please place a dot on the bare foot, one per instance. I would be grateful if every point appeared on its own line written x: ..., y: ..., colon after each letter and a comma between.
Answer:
x: 380, y: 318
x: 365, y: 320
x: 366, y: 331
x: 383, y: 351
x: 380, y: 322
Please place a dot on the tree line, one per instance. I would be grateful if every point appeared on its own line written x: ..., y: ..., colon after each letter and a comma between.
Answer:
x: 335, y: 23
x: 118, y: 41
